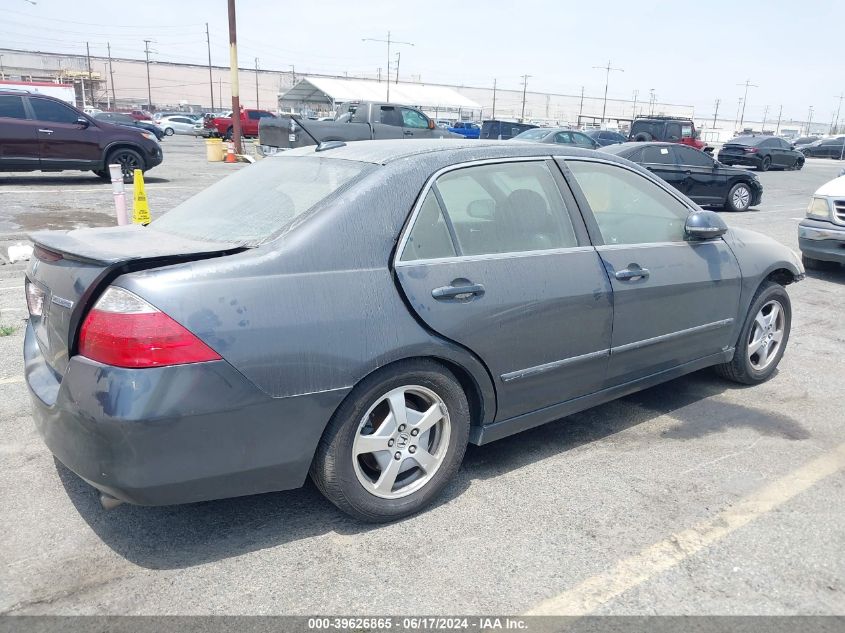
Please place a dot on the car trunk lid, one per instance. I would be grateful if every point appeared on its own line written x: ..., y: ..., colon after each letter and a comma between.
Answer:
x: 70, y: 270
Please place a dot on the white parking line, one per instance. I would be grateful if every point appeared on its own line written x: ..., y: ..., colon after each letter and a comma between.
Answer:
x: 11, y: 381
x: 631, y: 572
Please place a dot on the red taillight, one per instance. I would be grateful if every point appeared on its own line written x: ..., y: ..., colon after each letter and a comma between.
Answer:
x: 750, y: 150
x: 125, y: 331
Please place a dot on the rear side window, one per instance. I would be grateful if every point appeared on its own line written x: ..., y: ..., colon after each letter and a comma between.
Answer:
x: 656, y: 155
x: 429, y: 239
x: 257, y: 202
x: 690, y: 156
x: 46, y: 110
x: 11, y: 107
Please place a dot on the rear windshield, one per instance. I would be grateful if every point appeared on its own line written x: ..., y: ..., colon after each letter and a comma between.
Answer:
x: 255, y: 203
x: 751, y: 141
x: 534, y: 134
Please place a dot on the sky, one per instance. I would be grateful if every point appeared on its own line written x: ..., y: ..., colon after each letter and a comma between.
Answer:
x: 689, y: 53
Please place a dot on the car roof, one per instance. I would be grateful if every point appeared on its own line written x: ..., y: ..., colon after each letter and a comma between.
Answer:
x: 748, y: 139
x: 621, y: 148
x: 437, y: 151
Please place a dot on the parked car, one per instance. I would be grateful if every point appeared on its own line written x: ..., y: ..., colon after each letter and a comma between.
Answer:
x: 355, y: 121
x: 667, y: 129
x: 365, y: 338
x: 38, y: 132
x: 560, y: 136
x: 467, y: 129
x: 606, y: 137
x: 821, y: 235
x: 503, y: 130
x: 762, y: 152
x: 800, y: 142
x: 695, y: 174
x: 176, y: 124
x: 140, y: 115
x: 825, y: 148
x: 119, y: 118
x: 250, y: 120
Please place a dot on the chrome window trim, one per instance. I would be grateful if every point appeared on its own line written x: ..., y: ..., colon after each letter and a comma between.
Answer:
x: 493, y: 256
x: 617, y: 247
x: 409, y: 225
x: 539, y: 369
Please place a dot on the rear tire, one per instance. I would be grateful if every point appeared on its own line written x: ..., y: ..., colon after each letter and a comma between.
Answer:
x: 817, y: 264
x: 643, y: 137
x: 363, y: 477
x: 739, y: 197
x: 763, y: 338
x: 765, y: 164
x: 169, y: 131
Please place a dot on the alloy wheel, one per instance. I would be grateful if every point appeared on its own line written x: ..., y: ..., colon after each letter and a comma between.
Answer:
x: 401, y: 442
x: 741, y: 198
x: 766, y: 336
x: 128, y: 164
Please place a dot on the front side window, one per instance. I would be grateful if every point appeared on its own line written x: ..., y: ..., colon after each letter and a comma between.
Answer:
x: 505, y: 208
x: 686, y: 131
x: 564, y: 137
x: 629, y: 209
x: 47, y: 110
x: 391, y: 116
x: 690, y: 156
x: 412, y: 118
x: 657, y: 155
x: 11, y: 107
x: 673, y: 131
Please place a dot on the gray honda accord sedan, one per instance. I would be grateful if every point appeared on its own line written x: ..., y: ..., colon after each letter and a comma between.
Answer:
x: 361, y: 312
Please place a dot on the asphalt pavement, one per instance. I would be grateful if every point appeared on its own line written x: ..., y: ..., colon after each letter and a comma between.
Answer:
x: 695, y: 497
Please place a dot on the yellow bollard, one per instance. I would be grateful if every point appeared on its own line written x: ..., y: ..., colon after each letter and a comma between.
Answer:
x: 214, y: 150
x: 140, y: 208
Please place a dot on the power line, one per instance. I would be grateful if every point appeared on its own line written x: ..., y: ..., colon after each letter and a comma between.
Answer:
x: 388, y: 41
x: 607, y: 70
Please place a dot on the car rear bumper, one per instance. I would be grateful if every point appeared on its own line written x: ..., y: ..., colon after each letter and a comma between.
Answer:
x: 173, y: 434
x: 821, y: 240
x: 739, y: 159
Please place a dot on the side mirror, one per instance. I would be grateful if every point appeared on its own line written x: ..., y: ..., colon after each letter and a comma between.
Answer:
x: 704, y: 225
x: 83, y: 121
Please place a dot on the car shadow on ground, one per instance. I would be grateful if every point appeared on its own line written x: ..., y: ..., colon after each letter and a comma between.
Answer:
x: 176, y: 537
x: 87, y: 179
x: 836, y: 276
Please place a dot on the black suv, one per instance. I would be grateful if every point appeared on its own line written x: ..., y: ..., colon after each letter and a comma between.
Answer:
x: 668, y: 129
x: 38, y: 132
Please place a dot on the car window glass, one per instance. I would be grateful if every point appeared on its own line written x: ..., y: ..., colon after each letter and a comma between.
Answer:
x: 563, y: 137
x: 655, y: 154
x: 629, y: 208
x: 11, y: 107
x: 46, y: 110
x: 686, y: 131
x: 429, y: 238
x: 689, y: 156
x: 412, y: 118
x: 254, y: 115
x: 506, y: 207
x: 582, y: 139
x: 673, y: 131
x: 391, y: 116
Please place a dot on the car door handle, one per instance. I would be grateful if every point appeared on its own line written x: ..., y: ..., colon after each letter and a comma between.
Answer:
x: 458, y: 292
x: 45, y: 130
x: 408, y: 133
x: 632, y: 272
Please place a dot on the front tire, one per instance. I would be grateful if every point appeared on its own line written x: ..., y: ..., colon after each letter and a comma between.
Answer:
x: 394, y: 443
x: 763, y: 338
x: 739, y: 197
x: 129, y: 160
x: 799, y: 163
x: 169, y: 131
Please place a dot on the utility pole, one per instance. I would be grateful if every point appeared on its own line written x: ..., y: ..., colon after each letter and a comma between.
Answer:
x: 233, y: 67
x: 524, y: 91
x: 652, y: 99
x: 634, y: 113
x: 210, y: 80
x: 738, y: 106
x: 838, y: 109
x: 780, y: 111
x: 809, y: 120
x: 379, y: 74
x: 765, y: 113
x: 149, y: 90
x: 2, y: 70
x: 111, y: 75
x: 716, y: 113
x: 293, y: 72
x: 257, y: 107
x: 106, y: 75
x: 398, y: 59
x: 747, y: 85
x: 581, y: 107
x: 494, y: 100
x: 90, y: 76
x: 389, y: 42
x: 607, y: 70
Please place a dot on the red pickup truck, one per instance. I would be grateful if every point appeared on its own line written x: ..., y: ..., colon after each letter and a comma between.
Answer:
x: 222, y: 125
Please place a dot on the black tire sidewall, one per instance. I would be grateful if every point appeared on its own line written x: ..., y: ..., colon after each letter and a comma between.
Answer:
x: 765, y: 163
x: 338, y: 440
x: 169, y: 131
x: 768, y: 292
x: 123, y: 150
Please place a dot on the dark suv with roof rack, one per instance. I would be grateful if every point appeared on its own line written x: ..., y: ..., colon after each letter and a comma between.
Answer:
x: 38, y: 132
x: 668, y: 129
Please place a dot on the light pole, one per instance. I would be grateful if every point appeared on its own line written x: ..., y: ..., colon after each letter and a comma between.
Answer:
x: 607, y: 70
x: 524, y: 91
x: 389, y: 42
x: 747, y: 85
